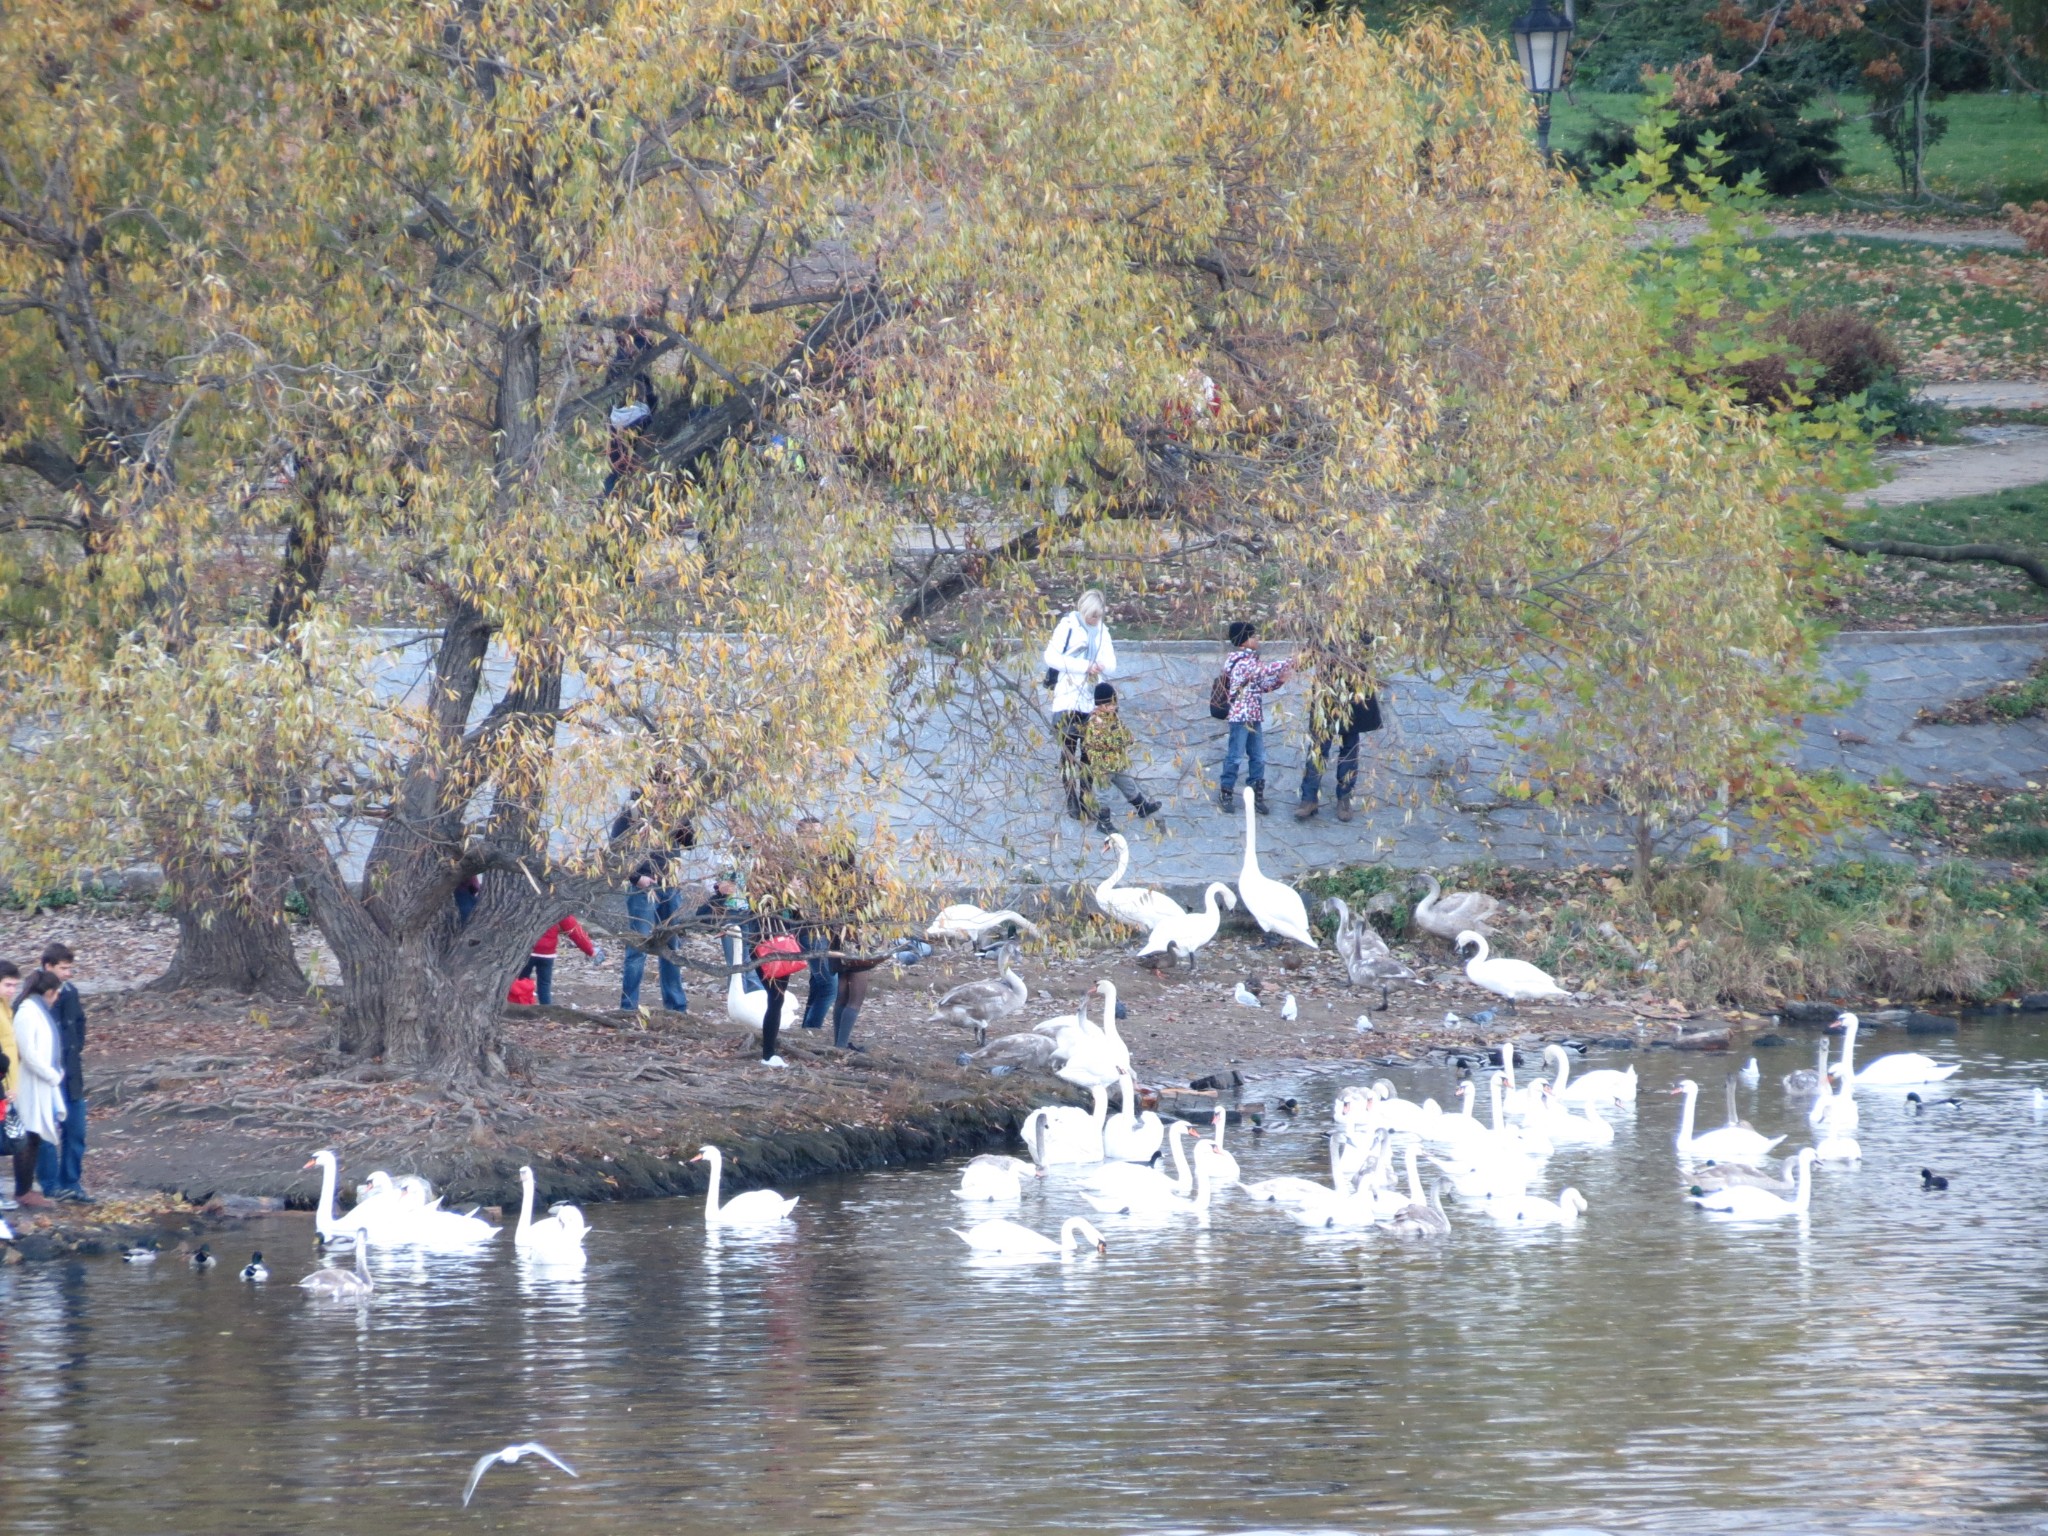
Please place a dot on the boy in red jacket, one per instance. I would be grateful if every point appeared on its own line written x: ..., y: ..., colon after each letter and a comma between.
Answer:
x: 540, y: 965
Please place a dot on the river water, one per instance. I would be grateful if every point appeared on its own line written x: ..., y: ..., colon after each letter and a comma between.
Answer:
x: 1880, y: 1367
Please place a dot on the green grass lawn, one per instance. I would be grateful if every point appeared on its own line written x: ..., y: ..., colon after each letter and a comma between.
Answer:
x: 1925, y: 593
x: 1995, y: 150
x: 1955, y: 313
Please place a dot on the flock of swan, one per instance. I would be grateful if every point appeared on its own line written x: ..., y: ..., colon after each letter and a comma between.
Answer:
x: 1171, y: 932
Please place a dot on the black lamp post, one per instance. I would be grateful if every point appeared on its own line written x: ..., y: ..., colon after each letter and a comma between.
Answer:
x: 1542, y: 40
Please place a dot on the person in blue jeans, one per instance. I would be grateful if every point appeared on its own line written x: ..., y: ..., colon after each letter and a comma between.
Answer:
x: 1250, y: 681
x: 60, y: 1167
x: 652, y: 899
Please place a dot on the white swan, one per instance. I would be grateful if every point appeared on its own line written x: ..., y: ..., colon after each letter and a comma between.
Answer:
x: 993, y: 1176
x: 1013, y: 1239
x: 1142, y: 1199
x: 1135, y: 906
x: 344, y: 1284
x: 1132, y: 1137
x: 1226, y: 1165
x: 1837, y: 1110
x: 1751, y: 1074
x: 1837, y: 1147
x: 1585, y: 1129
x: 1278, y: 908
x: 749, y: 1009
x: 1730, y: 1144
x: 1127, y: 1185
x: 334, y: 1228
x: 1813, y: 1079
x: 1902, y: 1069
x: 976, y: 1005
x: 1745, y: 1202
x: 1187, y: 933
x: 969, y: 922
x: 1603, y: 1085
x: 1448, y: 917
x: 1093, y: 1054
x: 755, y: 1208
x: 1529, y: 1211
x: 1062, y: 1134
x: 1299, y: 1193
x: 1516, y: 980
x: 554, y: 1239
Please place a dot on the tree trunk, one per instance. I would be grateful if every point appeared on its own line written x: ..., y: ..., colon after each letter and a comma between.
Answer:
x: 226, y: 937
x: 1645, y: 850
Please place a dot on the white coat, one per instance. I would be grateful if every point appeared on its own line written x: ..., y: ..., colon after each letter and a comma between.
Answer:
x: 1071, y: 650
x: 39, y: 1088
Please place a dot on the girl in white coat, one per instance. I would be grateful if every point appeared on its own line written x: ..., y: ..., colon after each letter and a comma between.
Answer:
x: 1079, y: 655
x: 39, y: 1082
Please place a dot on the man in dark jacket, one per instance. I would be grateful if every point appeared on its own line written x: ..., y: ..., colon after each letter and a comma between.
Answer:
x: 60, y: 1168
x: 651, y: 900
x: 1343, y: 708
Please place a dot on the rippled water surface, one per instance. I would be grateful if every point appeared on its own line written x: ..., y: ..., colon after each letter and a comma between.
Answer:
x: 1881, y: 1367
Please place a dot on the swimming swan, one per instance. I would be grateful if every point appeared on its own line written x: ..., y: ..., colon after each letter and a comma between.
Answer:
x: 557, y: 1238
x: 1013, y: 1239
x: 1902, y: 1069
x: 1745, y: 1202
x: 755, y: 1208
x: 1731, y: 1143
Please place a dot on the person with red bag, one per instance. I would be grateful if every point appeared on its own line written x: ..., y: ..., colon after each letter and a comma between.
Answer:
x: 540, y: 965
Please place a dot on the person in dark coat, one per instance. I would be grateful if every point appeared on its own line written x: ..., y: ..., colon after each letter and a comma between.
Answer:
x: 652, y: 900
x: 1343, y: 708
x: 60, y: 1167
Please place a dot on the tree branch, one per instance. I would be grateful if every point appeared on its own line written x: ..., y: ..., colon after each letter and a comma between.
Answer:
x: 2035, y: 566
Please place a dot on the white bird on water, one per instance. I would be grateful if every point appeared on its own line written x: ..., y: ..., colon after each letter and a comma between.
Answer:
x: 755, y: 1208
x: 1012, y: 1239
x: 510, y: 1457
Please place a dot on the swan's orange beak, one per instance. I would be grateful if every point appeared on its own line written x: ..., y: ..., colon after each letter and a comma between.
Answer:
x: 311, y: 1162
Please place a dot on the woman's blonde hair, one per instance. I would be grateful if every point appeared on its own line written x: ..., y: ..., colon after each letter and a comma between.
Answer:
x: 1091, y: 599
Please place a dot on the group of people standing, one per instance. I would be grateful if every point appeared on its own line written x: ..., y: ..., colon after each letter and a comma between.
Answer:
x: 1095, y: 745
x: 42, y: 1052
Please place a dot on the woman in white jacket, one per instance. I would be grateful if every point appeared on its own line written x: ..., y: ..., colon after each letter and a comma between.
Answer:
x: 1079, y: 655
x: 39, y: 1085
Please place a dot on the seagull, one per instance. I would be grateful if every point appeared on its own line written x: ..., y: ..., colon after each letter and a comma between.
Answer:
x: 255, y: 1268
x: 1364, y: 1024
x: 1287, y: 1009
x: 1247, y: 998
x: 510, y: 1455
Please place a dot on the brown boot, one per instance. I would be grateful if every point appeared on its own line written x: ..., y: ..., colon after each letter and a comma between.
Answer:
x: 1343, y: 807
x: 1305, y: 810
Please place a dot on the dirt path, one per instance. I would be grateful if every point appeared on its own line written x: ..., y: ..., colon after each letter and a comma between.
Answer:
x: 1999, y: 459
x: 1989, y: 237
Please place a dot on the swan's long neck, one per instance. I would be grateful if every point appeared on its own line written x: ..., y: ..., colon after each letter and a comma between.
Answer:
x: 1848, y: 1055
x: 1108, y: 990
x: 1123, y: 862
x: 1202, y: 1186
x: 1507, y: 1055
x: 1182, y: 1179
x: 1685, y: 1119
x: 1130, y: 1092
x: 1564, y: 1070
x: 324, y: 1220
x: 525, y: 1207
x: 1804, y: 1198
x: 1465, y: 1097
x: 1100, y: 1114
x: 717, y: 1161
x: 1497, y: 1099
x: 1219, y: 1120
x: 1251, y: 840
x: 1479, y: 953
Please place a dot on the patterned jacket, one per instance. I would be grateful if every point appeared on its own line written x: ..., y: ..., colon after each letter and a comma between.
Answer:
x: 1250, y: 681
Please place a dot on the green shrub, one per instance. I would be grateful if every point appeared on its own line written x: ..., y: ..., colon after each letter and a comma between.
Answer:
x: 1760, y: 127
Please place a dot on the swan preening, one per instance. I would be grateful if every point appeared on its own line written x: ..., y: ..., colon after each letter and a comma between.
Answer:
x: 1450, y: 917
x: 967, y: 922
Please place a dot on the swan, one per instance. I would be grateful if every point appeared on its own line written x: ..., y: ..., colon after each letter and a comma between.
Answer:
x: 1012, y: 1239
x: 557, y: 1238
x: 1601, y: 1086
x: 1516, y: 980
x: 749, y: 1009
x: 1421, y: 1220
x: 1585, y: 1129
x: 1745, y: 1202
x: 1450, y: 917
x: 409, y: 1222
x: 1136, y: 906
x: 1132, y: 1137
x: 1187, y: 933
x: 1031, y: 1052
x: 1529, y: 1211
x: 344, y: 1229
x: 1809, y: 1079
x: 1157, y: 1198
x: 1751, y: 1074
x: 1728, y: 1175
x: 1291, y: 1190
x: 1226, y: 1165
x: 976, y: 1005
x: 1455, y: 1130
x: 992, y: 1176
x: 1837, y: 1147
x: 1060, y: 1133
x: 755, y: 1208
x: 1902, y: 1069
x: 969, y: 922
x: 1731, y: 1143
x: 1367, y: 960
x: 1127, y: 1184
x: 1837, y: 1110
x: 1093, y: 1056
x: 1278, y: 908
x: 344, y: 1284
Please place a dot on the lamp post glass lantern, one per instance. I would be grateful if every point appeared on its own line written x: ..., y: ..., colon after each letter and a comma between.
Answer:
x: 1543, y: 38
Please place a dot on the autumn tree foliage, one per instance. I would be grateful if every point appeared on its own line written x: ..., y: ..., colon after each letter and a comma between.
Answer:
x: 1085, y: 284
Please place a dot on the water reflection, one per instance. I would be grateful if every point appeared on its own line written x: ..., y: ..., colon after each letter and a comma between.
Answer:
x: 1880, y: 1366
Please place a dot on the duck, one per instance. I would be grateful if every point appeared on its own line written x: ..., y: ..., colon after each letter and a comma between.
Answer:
x: 138, y: 1255
x: 1901, y: 1069
x: 1731, y: 1143
x: 1367, y: 960
x: 755, y: 1208
x: 1920, y: 1105
x: 1277, y: 908
x: 965, y: 921
x: 1014, y: 1240
x: 255, y: 1271
x: 1132, y: 1137
x: 556, y: 1238
x: 1745, y: 1202
x: 344, y: 1284
x: 993, y: 1176
x: 1531, y: 1211
x: 976, y: 1005
x: 1183, y: 936
x: 1135, y: 906
x: 1061, y: 1134
x: 1452, y: 916
x: 204, y: 1258
x: 1929, y: 1179
x: 1516, y: 980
